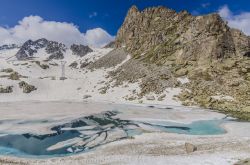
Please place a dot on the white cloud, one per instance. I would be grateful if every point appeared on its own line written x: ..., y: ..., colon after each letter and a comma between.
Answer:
x: 225, y: 12
x: 240, y: 21
x: 94, y: 14
x: 97, y: 37
x: 34, y: 27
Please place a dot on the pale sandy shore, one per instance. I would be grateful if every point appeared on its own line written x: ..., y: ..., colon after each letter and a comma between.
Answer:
x: 147, y: 148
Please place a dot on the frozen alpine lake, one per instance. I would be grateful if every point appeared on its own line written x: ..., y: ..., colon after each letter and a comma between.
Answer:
x: 34, y: 131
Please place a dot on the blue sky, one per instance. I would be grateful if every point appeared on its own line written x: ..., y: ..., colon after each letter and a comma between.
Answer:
x: 104, y: 14
x: 109, y: 13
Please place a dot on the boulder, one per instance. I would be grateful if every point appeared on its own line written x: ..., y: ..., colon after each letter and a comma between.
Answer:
x: 14, y: 76
x: 43, y: 66
x: 161, y: 97
x: 181, y: 72
x: 243, y: 162
x: 150, y: 98
x: 73, y: 64
x: 86, y: 96
x: 8, y: 70
x: 7, y: 89
x: 26, y: 87
x: 190, y: 148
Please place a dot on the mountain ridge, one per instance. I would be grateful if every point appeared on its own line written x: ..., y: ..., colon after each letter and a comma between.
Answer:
x: 154, y: 28
x: 204, y: 49
x: 54, y: 49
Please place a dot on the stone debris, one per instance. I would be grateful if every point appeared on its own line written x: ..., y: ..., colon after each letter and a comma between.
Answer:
x: 26, y: 87
x: 190, y: 148
x: 80, y: 50
x: 8, y: 89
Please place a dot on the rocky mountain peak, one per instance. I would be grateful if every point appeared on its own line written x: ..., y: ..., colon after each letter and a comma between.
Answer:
x: 29, y: 48
x: 133, y: 11
x: 160, y: 35
x: 166, y: 44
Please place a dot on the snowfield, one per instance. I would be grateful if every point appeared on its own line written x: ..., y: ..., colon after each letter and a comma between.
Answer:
x: 78, y: 83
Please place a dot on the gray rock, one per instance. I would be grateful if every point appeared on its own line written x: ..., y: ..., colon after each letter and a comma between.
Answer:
x: 80, y: 50
x: 8, y: 89
x: 14, y: 76
x: 161, y: 97
x: 150, y: 98
x: 85, y: 64
x: 43, y: 66
x: 8, y: 70
x: 73, y: 65
x: 190, y: 148
x: 243, y: 162
x: 86, y: 96
x: 56, y: 50
x: 26, y: 87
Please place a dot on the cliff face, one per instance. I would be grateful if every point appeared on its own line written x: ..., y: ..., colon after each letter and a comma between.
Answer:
x: 168, y: 45
x: 161, y: 35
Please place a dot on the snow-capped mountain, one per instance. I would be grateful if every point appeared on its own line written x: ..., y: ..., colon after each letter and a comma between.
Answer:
x: 30, y: 48
x: 49, y: 49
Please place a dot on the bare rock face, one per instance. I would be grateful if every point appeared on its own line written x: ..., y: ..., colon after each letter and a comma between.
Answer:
x: 55, y: 50
x: 80, y: 50
x: 213, y: 56
x: 160, y: 35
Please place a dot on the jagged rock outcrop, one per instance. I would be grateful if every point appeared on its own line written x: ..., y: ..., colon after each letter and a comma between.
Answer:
x: 161, y: 35
x: 55, y: 50
x: 80, y: 50
x: 29, y: 48
x: 27, y: 88
x: 205, y: 49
